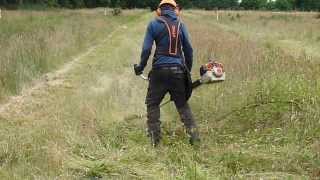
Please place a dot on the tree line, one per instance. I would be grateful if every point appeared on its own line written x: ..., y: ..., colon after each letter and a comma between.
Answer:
x: 304, y: 5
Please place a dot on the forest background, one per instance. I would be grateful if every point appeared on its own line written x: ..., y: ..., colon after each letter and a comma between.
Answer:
x: 284, y: 5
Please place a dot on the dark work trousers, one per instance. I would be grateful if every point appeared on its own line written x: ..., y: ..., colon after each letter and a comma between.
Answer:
x: 163, y: 81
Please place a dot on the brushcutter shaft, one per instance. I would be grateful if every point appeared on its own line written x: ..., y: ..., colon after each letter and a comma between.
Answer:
x: 196, y: 84
x: 144, y: 77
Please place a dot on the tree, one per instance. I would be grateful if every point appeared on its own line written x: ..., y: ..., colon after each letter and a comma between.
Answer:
x: 311, y: 5
x: 153, y: 4
x: 51, y: 3
x: 185, y: 3
x: 224, y: 4
x: 271, y: 5
x: 284, y: 5
x: 254, y: 4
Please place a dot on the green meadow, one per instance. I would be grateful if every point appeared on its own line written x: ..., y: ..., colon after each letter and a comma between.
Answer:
x: 67, y: 88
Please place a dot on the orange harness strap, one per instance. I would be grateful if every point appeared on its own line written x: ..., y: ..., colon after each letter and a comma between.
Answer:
x: 173, y: 30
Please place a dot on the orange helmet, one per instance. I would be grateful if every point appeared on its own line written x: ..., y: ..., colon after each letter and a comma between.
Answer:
x: 171, y: 2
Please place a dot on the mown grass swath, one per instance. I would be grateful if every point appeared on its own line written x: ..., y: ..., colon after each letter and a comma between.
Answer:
x: 35, y: 42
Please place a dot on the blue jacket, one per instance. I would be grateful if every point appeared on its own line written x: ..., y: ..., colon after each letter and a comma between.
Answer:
x: 154, y: 30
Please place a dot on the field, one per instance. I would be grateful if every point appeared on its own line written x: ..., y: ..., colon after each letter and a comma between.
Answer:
x: 67, y: 91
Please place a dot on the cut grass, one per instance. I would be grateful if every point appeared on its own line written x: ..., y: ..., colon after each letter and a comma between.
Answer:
x: 76, y: 129
x: 28, y: 52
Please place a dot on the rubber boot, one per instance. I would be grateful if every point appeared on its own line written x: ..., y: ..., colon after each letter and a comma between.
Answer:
x: 155, y: 140
x: 188, y: 120
x: 194, y: 138
x: 154, y: 130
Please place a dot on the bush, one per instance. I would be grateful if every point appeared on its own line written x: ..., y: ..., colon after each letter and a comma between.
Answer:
x: 116, y: 11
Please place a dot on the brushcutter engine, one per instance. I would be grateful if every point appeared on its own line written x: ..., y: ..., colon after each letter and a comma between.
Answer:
x: 212, y: 72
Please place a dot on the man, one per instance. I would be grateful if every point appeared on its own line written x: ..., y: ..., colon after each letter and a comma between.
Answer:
x: 172, y: 63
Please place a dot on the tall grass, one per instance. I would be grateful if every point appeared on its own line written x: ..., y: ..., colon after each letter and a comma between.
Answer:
x: 263, y: 122
x: 35, y: 42
x: 54, y: 138
x: 270, y: 99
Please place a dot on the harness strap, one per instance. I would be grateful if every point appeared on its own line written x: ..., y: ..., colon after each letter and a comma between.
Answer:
x: 173, y: 30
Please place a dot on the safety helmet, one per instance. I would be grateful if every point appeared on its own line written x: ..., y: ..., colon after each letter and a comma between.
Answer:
x: 171, y: 2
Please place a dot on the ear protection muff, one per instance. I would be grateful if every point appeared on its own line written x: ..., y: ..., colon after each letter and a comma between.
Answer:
x: 158, y: 11
x: 177, y: 10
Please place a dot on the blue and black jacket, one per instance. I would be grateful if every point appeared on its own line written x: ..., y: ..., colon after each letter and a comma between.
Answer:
x: 157, y: 32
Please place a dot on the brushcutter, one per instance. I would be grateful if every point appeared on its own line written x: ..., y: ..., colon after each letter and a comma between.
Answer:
x: 212, y: 72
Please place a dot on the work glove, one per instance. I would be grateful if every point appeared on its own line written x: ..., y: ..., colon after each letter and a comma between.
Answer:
x: 138, y: 70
